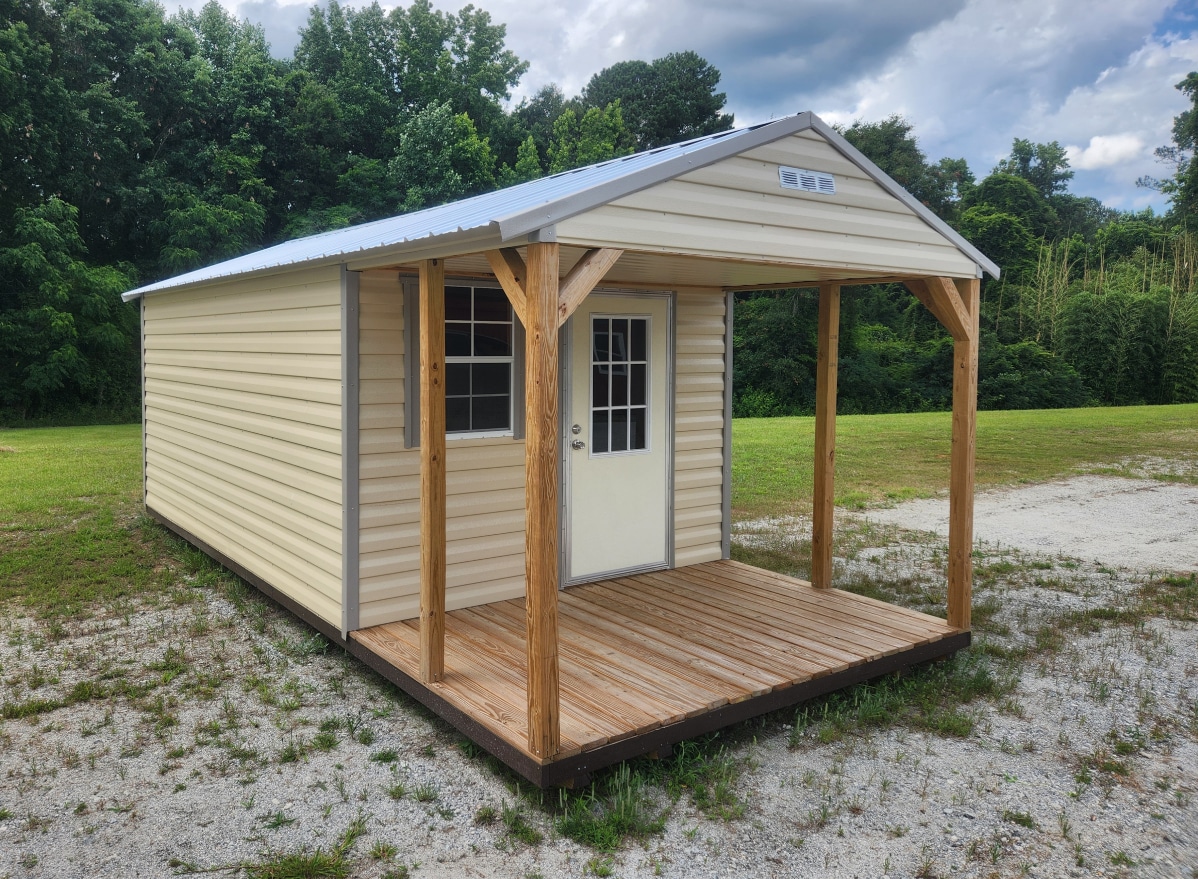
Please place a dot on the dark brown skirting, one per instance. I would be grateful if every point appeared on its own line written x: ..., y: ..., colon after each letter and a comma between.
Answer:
x: 571, y: 770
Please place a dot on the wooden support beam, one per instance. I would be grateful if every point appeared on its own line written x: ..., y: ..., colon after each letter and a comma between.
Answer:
x: 961, y: 482
x: 581, y: 279
x: 510, y: 271
x: 825, y: 435
x: 432, y: 470
x: 944, y: 291
x: 541, y: 496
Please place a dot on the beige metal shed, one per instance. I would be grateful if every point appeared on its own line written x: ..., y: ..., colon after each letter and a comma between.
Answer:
x: 486, y: 446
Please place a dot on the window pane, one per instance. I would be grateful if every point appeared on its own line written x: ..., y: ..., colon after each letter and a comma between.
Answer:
x: 457, y: 379
x: 457, y: 414
x: 492, y: 378
x: 619, y: 340
x: 492, y: 340
x: 638, y: 339
x: 636, y: 390
x: 457, y: 340
x: 619, y: 430
x: 491, y: 413
x: 457, y: 303
x: 619, y: 386
x: 491, y: 304
x: 637, y: 440
x: 598, y: 386
x: 599, y: 443
x: 599, y: 352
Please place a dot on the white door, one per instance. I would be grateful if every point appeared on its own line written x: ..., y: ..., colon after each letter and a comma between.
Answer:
x: 618, y: 436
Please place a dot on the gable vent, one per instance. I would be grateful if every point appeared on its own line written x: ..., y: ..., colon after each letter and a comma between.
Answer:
x: 807, y: 181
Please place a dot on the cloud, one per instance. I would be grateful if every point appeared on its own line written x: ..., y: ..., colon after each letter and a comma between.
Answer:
x: 1104, y: 151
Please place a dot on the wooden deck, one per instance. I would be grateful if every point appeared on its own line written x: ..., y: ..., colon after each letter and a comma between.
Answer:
x: 651, y: 659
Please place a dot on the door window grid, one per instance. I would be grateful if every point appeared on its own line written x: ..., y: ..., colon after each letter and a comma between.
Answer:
x: 619, y: 384
x: 478, y: 360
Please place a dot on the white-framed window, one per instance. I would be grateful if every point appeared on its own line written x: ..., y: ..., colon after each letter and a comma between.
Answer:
x: 484, y: 362
x: 619, y: 384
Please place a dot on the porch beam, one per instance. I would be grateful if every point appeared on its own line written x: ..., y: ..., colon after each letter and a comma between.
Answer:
x: 825, y: 435
x: 581, y: 279
x: 961, y: 482
x: 541, y: 496
x: 510, y: 271
x: 432, y: 470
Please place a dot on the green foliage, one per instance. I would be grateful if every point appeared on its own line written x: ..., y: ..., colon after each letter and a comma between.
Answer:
x: 1044, y: 165
x: 440, y: 158
x: 596, y: 137
x: 672, y: 99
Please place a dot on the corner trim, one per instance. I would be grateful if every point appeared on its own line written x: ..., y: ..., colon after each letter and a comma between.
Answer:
x: 350, y: 452
x: 726, y: 500
x: 145, y: 455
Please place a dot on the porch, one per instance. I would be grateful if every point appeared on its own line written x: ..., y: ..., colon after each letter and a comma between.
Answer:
x: 651, y: 659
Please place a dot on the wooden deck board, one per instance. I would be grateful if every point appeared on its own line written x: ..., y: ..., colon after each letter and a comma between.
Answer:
x: 643, y: 653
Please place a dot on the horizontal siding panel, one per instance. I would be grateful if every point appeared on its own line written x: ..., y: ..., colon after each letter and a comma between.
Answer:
x: 696, y: 555
x: 378, y: 392
x: 457, y: 576
x: 707, y: 535
x: 400, y: 511
x: 808, y: 151
x: 386, y: 440
x: 697, y: 440
x: 699, y: 478
x: 295, y: 518
x: 292, y: 550
x: 698, y: 497
x: 285, y: 320
x: 382, y: 418
x: 407, y: 607
x: 323, y: 463
x: 695, y: 363
x: 298, y: 411
x: 613, y: 226
x: 699, y: 383
x: 310, y: 367
x: 407, y: 534
x: 200, y: 303
x: 709, y: 345
x: 322, y: 342
x: 381, y: 342
x: 697, y: 517
x: 691, y: 404
x: 325, y: 509
x: 382, y: 367
x: 705, y: 419
x: 457, y: 552
x: 286, y: 475
x: 327, y: 392
x: 182, y: 513
x: 696, y: 459
x: 325, y: 439
x: 782, y: 210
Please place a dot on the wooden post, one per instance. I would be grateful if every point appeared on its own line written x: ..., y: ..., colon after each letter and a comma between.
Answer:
x: 825, y: 435
x: 960, y: 492
x: 541, y: 496
x: 432, y: 470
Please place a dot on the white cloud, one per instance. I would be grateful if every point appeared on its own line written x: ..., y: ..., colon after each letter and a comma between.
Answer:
x: 1104, y: 151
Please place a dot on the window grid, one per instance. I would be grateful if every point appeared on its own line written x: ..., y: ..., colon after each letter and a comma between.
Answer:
x: 619, y: 384
x: 479, y: 331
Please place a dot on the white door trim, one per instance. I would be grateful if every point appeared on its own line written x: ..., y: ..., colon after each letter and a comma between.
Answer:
x: 565, y: 383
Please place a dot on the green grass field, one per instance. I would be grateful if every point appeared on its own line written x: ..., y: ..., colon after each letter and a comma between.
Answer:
x: 71, y: 530
x: 886, y: 458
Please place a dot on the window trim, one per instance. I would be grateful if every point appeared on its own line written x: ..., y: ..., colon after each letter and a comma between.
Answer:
x: 411, y: 357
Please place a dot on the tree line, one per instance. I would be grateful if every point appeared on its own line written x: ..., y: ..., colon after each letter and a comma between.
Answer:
x: 136, y: 145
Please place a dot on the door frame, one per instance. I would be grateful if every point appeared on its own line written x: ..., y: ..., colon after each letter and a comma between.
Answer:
x: 565, y: 407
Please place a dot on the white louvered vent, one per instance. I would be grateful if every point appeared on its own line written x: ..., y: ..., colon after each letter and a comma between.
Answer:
x: 807, y: 181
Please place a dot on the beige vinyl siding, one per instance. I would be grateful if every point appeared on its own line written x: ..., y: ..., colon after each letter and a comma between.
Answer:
x: 736, y: 209
x: 484, y: 484
x: 243, y: 426
x: 698, y: 426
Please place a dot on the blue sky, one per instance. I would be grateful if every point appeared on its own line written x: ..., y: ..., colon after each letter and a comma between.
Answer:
x: 1095, y: 75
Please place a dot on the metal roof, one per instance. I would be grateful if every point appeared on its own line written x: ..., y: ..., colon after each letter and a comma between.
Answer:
x: 520, y: 210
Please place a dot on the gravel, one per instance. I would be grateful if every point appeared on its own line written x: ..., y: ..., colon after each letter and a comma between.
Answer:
x: 194, y: 768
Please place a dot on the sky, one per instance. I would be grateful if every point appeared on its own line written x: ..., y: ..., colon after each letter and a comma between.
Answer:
x: 1097, y: 76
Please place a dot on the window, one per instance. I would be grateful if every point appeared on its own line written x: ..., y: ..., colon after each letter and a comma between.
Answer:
x: 483, y: 362
x: 619, y: 384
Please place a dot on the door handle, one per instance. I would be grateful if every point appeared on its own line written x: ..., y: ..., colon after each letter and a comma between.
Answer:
x: 578, y: 444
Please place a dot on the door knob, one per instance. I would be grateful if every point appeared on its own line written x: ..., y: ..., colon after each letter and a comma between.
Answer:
x: 578, y: 444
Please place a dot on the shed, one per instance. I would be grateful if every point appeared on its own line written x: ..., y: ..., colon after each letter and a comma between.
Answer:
x: 486, y: 446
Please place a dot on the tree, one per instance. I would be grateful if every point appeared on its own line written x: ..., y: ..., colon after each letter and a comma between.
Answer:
x: 670, y: 100
x: 1017, y: 197
x: 891, y: 146
x: 441, y: 158
x: 596, y: 137
x: 1044, y: 165
x: 1182, y: 186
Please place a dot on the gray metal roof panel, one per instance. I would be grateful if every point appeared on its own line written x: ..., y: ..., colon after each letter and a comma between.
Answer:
x: 520, y: 210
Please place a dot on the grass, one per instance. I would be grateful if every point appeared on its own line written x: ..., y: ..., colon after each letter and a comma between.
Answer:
x: 884, y: 458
